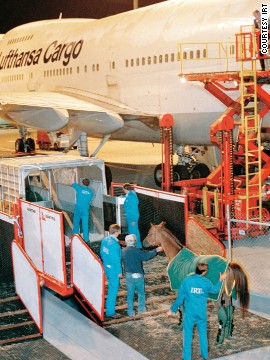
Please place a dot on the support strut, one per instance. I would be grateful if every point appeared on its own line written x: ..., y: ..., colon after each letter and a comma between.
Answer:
x: 166, y: 123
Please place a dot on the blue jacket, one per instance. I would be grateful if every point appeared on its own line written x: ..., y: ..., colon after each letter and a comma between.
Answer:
x: 110, y: 252
x: 131, y: 206
x: 84, y: 196
x: 194, y: 291
x: 133, y: 257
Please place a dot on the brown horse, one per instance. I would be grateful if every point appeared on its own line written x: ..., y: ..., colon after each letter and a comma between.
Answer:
x: 236, y: 277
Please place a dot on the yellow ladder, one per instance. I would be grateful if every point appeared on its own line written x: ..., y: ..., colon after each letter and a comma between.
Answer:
x: 251, y: 127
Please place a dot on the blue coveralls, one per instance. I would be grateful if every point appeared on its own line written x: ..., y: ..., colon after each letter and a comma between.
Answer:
x: 194, y: 292
x: 84, y: 196
x: 110, y: 252
x: 131, y: 206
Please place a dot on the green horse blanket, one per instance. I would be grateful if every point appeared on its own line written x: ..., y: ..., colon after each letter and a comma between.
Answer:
x: 185, y: 262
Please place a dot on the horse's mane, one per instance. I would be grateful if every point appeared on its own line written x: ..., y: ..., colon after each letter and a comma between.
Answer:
x: 172, y: 235
x: 241, y: 285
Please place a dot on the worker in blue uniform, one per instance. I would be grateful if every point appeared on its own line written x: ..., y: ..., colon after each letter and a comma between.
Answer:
x: 134, y: 275
x: 194, y: 291
x: 84, y: 196
x: 131, y: 206
x: 110, y: 252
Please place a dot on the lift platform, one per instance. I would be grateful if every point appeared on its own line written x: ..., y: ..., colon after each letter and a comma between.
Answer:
x: 236, y: 187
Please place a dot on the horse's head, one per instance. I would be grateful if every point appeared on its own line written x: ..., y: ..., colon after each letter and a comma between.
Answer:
x: 160, y: 235
x: 153, y: 238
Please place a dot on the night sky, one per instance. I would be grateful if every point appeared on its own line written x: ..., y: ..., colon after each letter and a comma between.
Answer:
x: 18, y: 12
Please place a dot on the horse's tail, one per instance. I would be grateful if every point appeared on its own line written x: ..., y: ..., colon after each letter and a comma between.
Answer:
x: 241, y: 285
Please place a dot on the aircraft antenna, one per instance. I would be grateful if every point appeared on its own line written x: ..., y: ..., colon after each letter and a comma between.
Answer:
x: 60, y: 15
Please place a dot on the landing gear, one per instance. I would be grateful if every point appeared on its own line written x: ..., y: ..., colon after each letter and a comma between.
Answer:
x: 158, y: 175
x: 22, y: 146
x: 19, y: 145
x: 180, y: 172
x: 30, y: 145
x: 199, y: 171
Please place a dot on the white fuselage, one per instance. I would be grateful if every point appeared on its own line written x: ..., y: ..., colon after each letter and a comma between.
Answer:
x: 130, y: 60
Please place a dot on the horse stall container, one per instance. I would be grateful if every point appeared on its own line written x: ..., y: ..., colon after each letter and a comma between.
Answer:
x: 46, y: 180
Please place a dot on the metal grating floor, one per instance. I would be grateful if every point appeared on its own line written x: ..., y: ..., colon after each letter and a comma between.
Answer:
x: 34, y: 350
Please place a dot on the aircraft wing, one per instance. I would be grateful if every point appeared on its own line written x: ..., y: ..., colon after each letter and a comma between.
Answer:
x: 51, y: 111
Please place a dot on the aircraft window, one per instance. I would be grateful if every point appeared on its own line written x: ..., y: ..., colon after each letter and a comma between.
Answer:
x: 70, y: 71
x: 67, y: 71
x: 54, y: 72
x: 137, y: 62
x: 113, y: 65
x: 166, y: 58
x: 184, y: 55
x: 126, y: 62
x: 191, y: 54
x: 143, y: 61
x: 60, y: 72
x: 78, y: 69
x: 155, y: 60
x: 85, y: 68
x: 131, y: 62
x: 172, y: 57
x: 93, y: 67
x: 64, y: 71
x: 198, y: 54
x: 204, y: 53
x: 149, y: 60
x: 50, y: 72
x: 232, y: 49
x: 45, y: 73
x: 97, y: 67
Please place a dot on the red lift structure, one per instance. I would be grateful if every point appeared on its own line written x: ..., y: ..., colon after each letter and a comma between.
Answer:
x: 236, y: 185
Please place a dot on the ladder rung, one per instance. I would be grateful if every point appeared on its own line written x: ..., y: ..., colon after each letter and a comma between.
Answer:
x: 253, y: 151
x: 249, y: 117
x: 248, y: 72
x: 252, y: 162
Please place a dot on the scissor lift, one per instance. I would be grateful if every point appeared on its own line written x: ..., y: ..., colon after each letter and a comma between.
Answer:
x: 235, y: 187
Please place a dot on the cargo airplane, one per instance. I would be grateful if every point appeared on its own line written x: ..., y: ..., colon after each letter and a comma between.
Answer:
x: 114, y: 77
